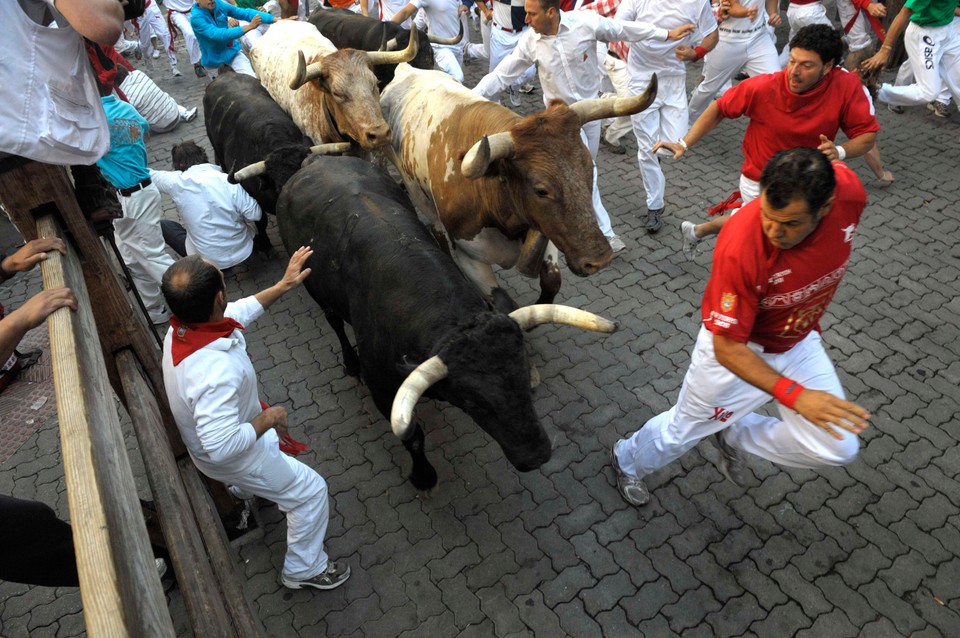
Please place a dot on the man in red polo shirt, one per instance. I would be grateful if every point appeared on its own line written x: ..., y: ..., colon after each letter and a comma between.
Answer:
x: 776, y: 266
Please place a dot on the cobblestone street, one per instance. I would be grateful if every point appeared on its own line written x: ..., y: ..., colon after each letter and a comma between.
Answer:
x: 872, y: 549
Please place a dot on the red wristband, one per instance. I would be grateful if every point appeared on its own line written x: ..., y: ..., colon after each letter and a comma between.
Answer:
x: 787, y: 391
x: 699, y: 52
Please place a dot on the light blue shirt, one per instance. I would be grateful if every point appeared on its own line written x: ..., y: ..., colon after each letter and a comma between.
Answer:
x: 125, y: 164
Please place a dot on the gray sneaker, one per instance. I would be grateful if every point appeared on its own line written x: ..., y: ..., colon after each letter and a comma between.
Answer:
x: 895, y: 108
x: 631, y: 489
x: 653, y: 222
x: 939, y: 109
x: 616, y: 244
x: 335, y: 575
x: 616, y: 149
x: 733, y: 464
x: 691, y: 242
x: 514, y: 96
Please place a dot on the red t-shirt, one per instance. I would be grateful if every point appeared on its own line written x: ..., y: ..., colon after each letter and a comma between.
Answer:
x: 775, y: 297
x: 780, y: 120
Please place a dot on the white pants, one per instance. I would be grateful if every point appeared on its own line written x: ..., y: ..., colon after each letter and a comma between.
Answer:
x: 182, y: 22
x: 935, y: 61
x: 905, y: 76
x: 240, y: 63
x: 620, y: 79
x: 756, y: 56
x: 665, y: 119
x: 299, y: 492
x: 802, y: 15
x: 749, y: 189
x: 713, y: 399
x: 141, y: 245
x: 590, y: 134
x: 501, y: 44
x: 152, y: 23
x: 449, y: 59
x: 480, y: 51
x: 859, y: 36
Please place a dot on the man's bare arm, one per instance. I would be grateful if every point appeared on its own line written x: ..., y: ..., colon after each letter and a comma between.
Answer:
x: 98, y: 20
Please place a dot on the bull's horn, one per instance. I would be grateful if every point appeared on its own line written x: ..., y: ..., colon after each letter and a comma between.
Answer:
x: 489, y: 149
x: 396, y: 57
x: 598, y: 109
x: 454, y: 40
x: 413, y: 387
x: 331, y: 149
x: 532, y: 316
x: 258, y: 168
x: 305, y: 73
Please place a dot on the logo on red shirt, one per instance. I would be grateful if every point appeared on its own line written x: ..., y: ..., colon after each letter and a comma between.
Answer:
x: 728, y: 301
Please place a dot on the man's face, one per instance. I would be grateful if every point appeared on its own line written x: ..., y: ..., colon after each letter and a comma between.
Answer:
x: 542, y: 21
x: 788, y: 226
x: 805, y: 69
x: 206, y: 4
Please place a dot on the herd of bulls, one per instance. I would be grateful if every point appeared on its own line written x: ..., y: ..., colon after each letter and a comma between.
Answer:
x: 428, y: 316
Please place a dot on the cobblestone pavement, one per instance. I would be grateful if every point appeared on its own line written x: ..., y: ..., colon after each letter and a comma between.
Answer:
x: 872, y: 549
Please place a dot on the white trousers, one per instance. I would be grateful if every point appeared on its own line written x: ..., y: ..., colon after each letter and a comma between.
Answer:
x: 449, y: 59
x: 301, y: 494
x: 802, y: 15
x: 713, y: 399
x: 756, y: 56
x: 501, y: 44
x: 590, y: 134
x: 859, y: 36
x: 935, y: 61
x: 152, y: 23
x: 749, y: 189
x: 141, y: 245
x: 479, y: 50
x: 182, y: 22
x: 620, y: 79
x: 905, y: 75
x: 665, y: 119
x: 240, y: 63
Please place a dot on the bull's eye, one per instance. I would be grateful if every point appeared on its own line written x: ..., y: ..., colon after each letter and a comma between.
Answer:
x: 542, y: 192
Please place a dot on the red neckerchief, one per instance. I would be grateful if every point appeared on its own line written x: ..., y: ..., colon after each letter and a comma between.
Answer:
x: 190, y: 337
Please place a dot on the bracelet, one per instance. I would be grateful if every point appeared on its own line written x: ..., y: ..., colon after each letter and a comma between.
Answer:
x: 887, y: 47
x: 682, y: 143
x: 841, y: 153
x: 699, y: 52
x: 787, y: 391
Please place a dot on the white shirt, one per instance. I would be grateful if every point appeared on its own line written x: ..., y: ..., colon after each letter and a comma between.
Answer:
x: 651, y: 56
x: 214, y: 212
x: 566, y: 62
x: 442, y: 16
x: 180, y: 5
x: 742, y: 29
x: 213, y: 397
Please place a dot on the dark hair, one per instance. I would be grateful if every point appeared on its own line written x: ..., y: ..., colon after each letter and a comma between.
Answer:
x: 546, y: 4
x: 190, y: 287
x: 799, y: 172
x: 822, y: 39
x: 187, y: 154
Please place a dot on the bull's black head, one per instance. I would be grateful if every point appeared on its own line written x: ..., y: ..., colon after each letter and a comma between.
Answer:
x: 489, y: 379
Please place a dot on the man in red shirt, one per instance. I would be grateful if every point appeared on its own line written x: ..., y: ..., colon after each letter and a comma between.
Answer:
x: 803, y: 105
x: 776, y: 266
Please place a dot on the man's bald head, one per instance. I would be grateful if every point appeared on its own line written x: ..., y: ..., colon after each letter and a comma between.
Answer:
x: 190, y: 288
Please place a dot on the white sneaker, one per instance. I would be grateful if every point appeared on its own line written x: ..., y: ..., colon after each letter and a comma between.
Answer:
x: 939, y: 109
x: 155, y: 54
x: 161, y: 566
x: 190, y: 115
x: 175, y: 70
x: 691, y: 242
x: 616, y: 244
x: 527, y: 88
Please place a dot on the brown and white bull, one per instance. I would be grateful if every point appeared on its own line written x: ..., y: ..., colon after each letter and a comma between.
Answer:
x: 331, y: 94
x: 497, y: 185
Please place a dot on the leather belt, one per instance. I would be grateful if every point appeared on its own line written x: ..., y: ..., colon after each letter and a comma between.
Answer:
x: 503, y: 28
x: 127, y: 192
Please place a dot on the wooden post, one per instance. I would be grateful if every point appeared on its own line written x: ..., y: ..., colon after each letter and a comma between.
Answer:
x: 119, y: 585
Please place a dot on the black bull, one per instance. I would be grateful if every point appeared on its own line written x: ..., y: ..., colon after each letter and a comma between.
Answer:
x: 348, y: 30
x: 376, y: 267
x: 244, y: 126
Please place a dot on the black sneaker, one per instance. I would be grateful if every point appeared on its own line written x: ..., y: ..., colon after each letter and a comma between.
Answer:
x: 653, y: 222
x: 334, y: 576
x: 199, y: 70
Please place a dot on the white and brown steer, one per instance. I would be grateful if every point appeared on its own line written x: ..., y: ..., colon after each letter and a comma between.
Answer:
x: 497, y: 185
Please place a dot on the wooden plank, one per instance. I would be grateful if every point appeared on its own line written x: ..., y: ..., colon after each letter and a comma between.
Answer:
x: 119, y: 585
x: 221, y: 555
x: 198, y: 584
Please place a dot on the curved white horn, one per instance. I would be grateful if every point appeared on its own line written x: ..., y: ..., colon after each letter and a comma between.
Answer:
x: 454, y: 40
x: 331, y: 149
x: 412, y: 388
x: 531, y: 316
x: 488, y: 149
x: 597, y: 109
x: 305, y: 73
x: 257, y: 168
x: 396, y: 57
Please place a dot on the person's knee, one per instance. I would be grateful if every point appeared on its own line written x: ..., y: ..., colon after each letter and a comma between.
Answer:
x: 839, y: 452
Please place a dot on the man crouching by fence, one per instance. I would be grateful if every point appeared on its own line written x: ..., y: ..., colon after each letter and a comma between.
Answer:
x: 212, y: 389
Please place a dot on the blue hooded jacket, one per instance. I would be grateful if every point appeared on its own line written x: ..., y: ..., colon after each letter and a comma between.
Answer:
x: 219, y: 43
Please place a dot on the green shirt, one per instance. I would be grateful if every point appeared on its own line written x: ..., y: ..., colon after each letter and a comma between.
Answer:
x: 931, y: 13
x: 250, y: 4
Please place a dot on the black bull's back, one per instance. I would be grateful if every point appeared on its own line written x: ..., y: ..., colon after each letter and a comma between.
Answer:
x: 377, y: 267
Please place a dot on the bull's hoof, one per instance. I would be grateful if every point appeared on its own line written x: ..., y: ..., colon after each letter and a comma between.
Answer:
x: 534, y: 376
